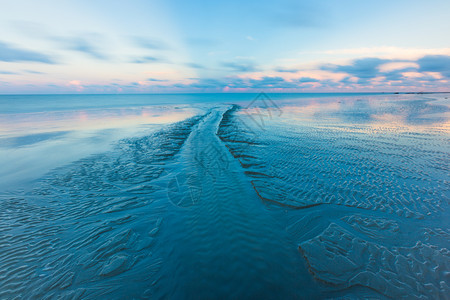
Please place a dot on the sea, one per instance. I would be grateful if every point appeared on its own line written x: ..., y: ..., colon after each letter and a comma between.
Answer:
x: 225, y: 196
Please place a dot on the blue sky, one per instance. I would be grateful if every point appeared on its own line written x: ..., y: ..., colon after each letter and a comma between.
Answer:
x: 229, y: 46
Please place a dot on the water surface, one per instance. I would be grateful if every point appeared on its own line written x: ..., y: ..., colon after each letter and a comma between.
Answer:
x: 225, y: 196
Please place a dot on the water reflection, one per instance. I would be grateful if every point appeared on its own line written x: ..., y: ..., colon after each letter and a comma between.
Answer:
x: 425, y: 111
x: 359, y: 111
x: 30, y: 139
x: 19, y: 124
x: 31, y: 144
x: 407, y: 110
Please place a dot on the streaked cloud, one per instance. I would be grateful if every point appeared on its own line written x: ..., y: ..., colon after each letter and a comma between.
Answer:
x: 363, y: 69
x: 435, y: 63
x: 8, y: 73
x: 156, y: 80
x: 32, y: 72
x: 148, y: 60
x: 284, y: 70
x: 150, y: 43
x: 10, y: 53
x: 195, y: 66
x: 271, y: 82
x: 308, y: 80
x: 383, y: 52
x: 391, y: 66
x: 81, y: 45
x: 240, y: 66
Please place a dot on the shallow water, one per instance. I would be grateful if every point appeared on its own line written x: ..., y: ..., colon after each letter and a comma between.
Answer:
x: 290, y: 197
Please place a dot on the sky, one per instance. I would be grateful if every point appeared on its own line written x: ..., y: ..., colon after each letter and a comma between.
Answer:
x: 176, y: 46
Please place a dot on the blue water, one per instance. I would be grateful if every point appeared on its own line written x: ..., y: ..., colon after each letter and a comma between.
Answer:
x: 288, y: 196
x: 38, y: 103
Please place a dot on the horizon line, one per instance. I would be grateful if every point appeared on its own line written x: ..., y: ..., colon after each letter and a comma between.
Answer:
x: 183, y: 93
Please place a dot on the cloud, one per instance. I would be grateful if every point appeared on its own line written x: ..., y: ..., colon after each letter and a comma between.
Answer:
x: 364, y: 68
x: 271, y: 82
x: 397, y: 79
x: 195, y: 66
x: 208, y: 83
x: 10, y: 53
x: 427, y: 78
x: 241, y: 67
x: 21, y: 72
x: 8, y: 73
x: 397, y: 53
x: 435, y: 63
x: 147, y: 59
x: 32, y: 72
x: 149, y: 43
x: 81, y: 45
x: 285, y: 70
x: 391, y: 66
x: 156, y: 80
x: 397, y: 74
x: 347, y: 80
x: 76, y: 84
x: 379, y: 72
x: 308, y: 80
x: 267, y: 82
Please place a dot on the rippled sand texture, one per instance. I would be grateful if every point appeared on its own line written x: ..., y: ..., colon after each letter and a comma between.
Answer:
x: 225, y: 205
x: 168, y: 215
x: 367, y: 203
x: 83, y: 226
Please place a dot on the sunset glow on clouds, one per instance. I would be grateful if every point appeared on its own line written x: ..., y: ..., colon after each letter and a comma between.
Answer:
x: 175, y: 46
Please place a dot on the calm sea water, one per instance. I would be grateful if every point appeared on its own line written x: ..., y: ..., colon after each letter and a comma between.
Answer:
x: 201, y: 196
x: 70, y: 127
x: 40, y: 103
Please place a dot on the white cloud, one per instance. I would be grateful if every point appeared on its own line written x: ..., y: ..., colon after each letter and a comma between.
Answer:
x: 397, y: 66
x: 385, y: 52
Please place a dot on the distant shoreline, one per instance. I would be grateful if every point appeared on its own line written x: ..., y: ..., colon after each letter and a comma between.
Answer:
x: 227, y: 93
